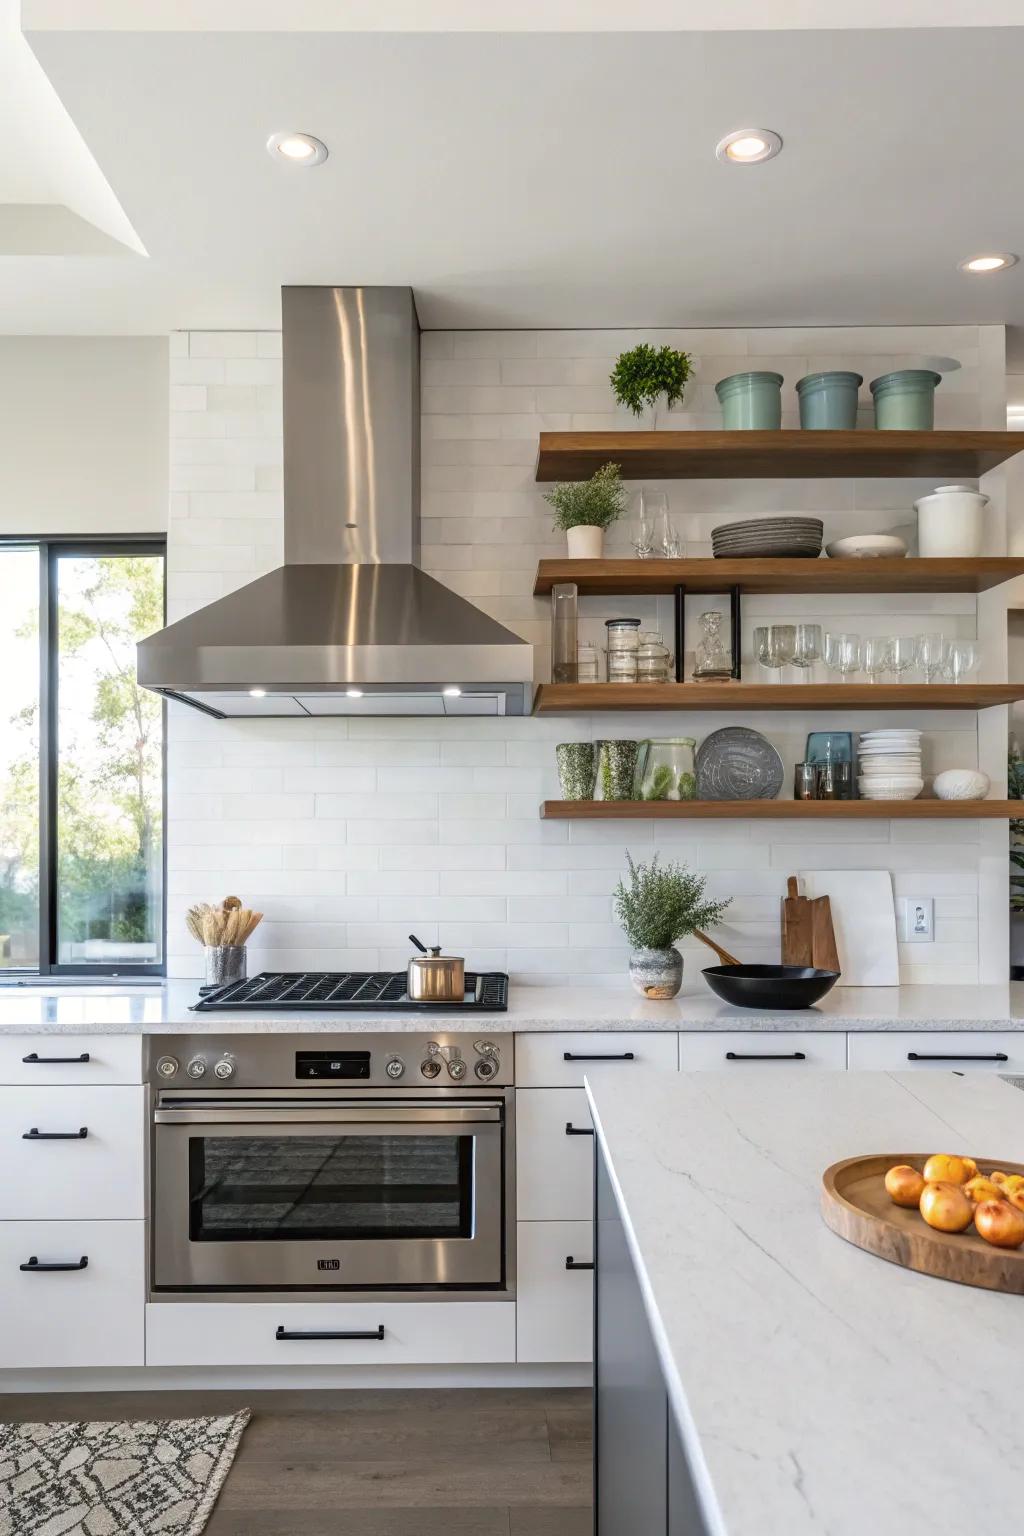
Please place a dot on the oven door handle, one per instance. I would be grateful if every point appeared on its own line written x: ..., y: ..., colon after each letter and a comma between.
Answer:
x: 266, y: 1114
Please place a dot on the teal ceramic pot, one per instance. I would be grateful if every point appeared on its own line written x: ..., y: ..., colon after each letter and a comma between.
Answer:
x: 905, y: 401
x: 828, y: 401
x: 751, y: 402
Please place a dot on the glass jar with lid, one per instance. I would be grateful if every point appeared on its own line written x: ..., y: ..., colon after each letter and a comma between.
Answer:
x: 652, y: 658
x: 665, y: 770
x: 623, y: 644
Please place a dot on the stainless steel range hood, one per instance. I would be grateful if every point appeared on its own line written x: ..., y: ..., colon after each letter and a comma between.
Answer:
x: 349, y: 624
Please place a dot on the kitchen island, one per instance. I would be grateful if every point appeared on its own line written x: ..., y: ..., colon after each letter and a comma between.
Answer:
x: 755, y: 1374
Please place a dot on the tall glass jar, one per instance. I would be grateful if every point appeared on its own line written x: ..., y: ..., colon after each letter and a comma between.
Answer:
x: 623, y: 645
x: 652, y: 658
x: 564, y: 632
x: 665, y: 770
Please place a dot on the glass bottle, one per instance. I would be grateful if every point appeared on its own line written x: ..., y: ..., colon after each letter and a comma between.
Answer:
x: 564, y: 629
x: 712, y: 659
x: 623, y: 644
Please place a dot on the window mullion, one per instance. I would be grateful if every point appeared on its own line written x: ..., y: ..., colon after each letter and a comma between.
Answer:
x: 47, y: 758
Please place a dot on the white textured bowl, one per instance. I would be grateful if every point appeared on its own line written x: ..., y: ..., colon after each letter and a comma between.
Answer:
x: 962, y: 784
x: 889, y: 789
x: 867, y: 546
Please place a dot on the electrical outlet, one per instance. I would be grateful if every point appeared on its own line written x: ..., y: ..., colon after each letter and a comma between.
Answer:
x: 917, y: 915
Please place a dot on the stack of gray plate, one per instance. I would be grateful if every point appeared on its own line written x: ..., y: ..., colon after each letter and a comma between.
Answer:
x: 767, y: 537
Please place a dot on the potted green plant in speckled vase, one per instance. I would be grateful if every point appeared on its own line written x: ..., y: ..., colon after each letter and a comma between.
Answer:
x: 659, y: 904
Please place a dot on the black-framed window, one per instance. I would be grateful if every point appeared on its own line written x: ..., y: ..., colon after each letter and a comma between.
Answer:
x: 82, y: 861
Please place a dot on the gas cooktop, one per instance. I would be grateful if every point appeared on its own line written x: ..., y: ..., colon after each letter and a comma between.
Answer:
x: 349, y: 991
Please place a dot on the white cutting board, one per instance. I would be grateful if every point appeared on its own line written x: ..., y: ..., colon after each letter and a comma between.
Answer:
x: 864, y: 919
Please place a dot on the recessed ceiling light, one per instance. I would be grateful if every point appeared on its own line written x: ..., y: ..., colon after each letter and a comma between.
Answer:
x: 452, y: 693
x: 998, y: 261
x: 748, y: 146
x: 297, y: 148
x: 353, y: 693
x: 257, y: 693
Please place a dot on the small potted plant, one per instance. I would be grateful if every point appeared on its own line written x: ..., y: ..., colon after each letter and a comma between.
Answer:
x: 585, y: 508
x: 660, y: 904
x: 642, y: 375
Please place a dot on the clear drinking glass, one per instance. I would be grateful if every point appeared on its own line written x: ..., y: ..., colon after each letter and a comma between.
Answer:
x: 842, y: 653
x: 931, y: 655
x: 961, y: 659
x: 775, y: 645
x: 669, y: 544
x: 653, y: 508
x: 876, y: 656
x: 806, y: 648
x: 902, y: 653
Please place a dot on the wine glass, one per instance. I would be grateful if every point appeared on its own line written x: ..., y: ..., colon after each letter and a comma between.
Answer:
x: 876, y: 656
x: 842, y: 653
x: 931, y: 655
x: 902, y: 653
x: 653, y: 504
x: 806, y: 648
x: 775, y: 646
x: 961, y: 659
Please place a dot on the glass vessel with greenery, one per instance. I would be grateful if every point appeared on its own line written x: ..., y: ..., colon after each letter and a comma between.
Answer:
x: 659, y: 904
x: 585, y: 508
x: 642, y: 375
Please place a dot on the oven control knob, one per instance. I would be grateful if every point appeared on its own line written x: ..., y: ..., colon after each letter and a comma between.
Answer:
x: 456, y: 1069
x: 224, y: 1068
x: 167, y: 1066
x: 486, y: 1068
x: 196, y: 1067
x: 431, y: 1067
x: 394, y: 1066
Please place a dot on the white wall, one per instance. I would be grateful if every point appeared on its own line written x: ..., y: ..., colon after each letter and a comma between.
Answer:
x: 349, y: 833
x: 83, y: 434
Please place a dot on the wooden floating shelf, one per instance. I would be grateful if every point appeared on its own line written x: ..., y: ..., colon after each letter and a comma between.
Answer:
x: 863, y: 454
x: 588, y: 698
x: 659, y: 578
x: 779, y: 810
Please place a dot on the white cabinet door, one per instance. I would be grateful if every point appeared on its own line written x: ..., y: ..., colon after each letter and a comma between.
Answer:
x: 960, y: 1050
x: 43, y: 1060
x: 564, y: 1060
x: 554, y: 1305
x: 299, y: 1333
x: 52, y: 1172
x: 724, y: 1050
x: 554, y: 1155
x: 93, y: 1315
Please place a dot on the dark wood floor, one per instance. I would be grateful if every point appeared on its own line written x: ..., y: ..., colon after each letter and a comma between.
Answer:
x: 388, y: 1463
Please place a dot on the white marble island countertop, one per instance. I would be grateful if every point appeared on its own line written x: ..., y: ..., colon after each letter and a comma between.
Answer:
x: 121, y: 1009
x: 818, y: 1389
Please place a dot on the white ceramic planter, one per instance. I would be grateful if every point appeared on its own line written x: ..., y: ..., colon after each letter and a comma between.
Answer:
x: 951, y: 523
x: 585, y: 542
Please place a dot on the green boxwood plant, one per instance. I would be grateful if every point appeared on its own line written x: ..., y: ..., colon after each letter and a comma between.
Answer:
x: 643, y: 375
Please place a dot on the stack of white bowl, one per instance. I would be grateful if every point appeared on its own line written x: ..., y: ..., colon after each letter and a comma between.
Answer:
x: 890, y: 765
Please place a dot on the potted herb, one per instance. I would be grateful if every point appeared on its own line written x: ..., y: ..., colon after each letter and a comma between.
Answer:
x: 643, y: 375
x: 658, y: 905
x: 585, y: 508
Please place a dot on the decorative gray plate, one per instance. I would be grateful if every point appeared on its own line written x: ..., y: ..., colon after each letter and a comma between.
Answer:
x: 737, y: 763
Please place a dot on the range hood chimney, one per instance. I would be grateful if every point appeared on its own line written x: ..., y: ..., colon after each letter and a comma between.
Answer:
x: 349, y: 625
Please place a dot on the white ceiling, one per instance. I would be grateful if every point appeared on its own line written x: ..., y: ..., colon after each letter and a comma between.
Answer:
x: 538, y: 179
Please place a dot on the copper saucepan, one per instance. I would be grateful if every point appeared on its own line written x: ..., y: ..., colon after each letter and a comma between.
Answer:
x: 433, y: 977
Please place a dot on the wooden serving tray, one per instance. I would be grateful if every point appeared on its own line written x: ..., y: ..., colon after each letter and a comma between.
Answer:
x: 855, y: 1204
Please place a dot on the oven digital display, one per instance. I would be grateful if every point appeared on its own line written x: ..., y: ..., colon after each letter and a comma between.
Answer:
x: 339, y: 1065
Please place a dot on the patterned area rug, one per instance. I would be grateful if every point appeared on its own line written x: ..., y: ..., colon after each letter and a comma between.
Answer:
x: 151, y: 1478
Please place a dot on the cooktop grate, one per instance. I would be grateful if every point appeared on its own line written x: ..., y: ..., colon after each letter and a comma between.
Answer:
x: 336, y: 991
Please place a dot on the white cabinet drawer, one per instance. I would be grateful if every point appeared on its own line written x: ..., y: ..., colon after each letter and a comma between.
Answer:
x: 49, y: 1059
x: 82, y: 1316
x: 961, y: 1050
x: 564, y: 1060
x: 770, y: 1049
x: 554, y: 1305
x: 256, y: 1333
x: 554, y: 1170
x: 52, y: 1172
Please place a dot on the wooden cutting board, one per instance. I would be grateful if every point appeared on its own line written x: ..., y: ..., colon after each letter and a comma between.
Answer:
x: 854, y: 1204
x: 808, y: 937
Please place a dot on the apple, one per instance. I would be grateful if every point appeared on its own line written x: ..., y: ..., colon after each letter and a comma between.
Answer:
x: 1000, y: 1223
x: 904, y: 1185
x: 945, y: 1169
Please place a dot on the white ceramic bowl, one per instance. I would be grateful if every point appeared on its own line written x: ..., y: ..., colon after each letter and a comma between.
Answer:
x: 867, y: 546
x: 962, y: 784
x: 890, y: 789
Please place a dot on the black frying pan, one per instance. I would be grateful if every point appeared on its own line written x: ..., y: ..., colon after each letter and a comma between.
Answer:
x: 765, y: 986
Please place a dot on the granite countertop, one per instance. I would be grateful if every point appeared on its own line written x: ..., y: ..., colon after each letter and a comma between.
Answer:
x: 118, y: 1009
x: 818, y: 1388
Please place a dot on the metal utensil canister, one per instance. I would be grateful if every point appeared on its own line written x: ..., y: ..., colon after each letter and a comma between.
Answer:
x: 224, y: 963
x: 433, y: 977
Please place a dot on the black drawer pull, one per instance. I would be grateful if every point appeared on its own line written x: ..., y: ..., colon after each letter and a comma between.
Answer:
x: 956, y: 1056
x: 765, y: 1056
x: 577, y: 1130
x: 33, y: 1059
x: 608, y: 1056
x: 35, y: 1134
x: 571, y: 1263
x: 33, y: 1267
x: 317, y: 1333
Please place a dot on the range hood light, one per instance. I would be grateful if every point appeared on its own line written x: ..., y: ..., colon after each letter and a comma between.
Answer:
x: 353, y: 693
x: 452, y: 693
x: 257, y: 693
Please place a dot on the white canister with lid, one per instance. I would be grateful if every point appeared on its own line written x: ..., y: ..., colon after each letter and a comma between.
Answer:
x: 951, y: 523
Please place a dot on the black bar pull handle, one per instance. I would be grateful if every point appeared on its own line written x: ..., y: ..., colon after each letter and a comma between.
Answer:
x: 765, y: 1056
x: 577, y: 1130
x: 318, y: 1333
x: 607, y: 1056
x: 571, y: 1263
x: 33, y: 1267
x: 956, y: 1056
x: 33, y: 1059
x: 35, y: 1134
